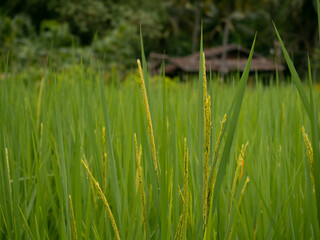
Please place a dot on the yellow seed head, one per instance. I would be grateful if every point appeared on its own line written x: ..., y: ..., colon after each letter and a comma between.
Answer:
x: 140, y: 181
x: 204, y: 78
x: 182, y: 225
x: 207, y: 133
x: 216, y: 163
x: 185, y: 190
x: 241, y: 159
x: 310, y: 156
x: 147, y: 110
x: 241, y: 196
x: 243, y: 189
x: 236, y: 175
x: 39, y: 102
x: 178, y: 231
x: 73, y: 221
x: 219, y: 137
x: 9, y: 177
x: 104, y: 160
x: 104, y: 200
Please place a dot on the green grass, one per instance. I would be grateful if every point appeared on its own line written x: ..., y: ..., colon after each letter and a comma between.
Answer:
x: 46, y: 136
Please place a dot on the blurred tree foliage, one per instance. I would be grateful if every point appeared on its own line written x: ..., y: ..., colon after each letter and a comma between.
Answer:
x: 109, y: 30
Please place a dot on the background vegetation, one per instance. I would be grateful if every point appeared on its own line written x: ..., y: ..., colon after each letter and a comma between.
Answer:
x: 48, y: 128
x: 149, y: 158
x: 109, y: 30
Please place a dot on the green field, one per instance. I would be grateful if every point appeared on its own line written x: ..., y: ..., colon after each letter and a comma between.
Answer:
x: 48, y: 126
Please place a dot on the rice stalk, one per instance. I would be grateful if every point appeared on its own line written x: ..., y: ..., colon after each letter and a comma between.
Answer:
x: 219, y: 139
x: 255, y: 231
x: 147, y: 110
x: 310, y: 156
x: 142, y: 194
x: 241, y: 159
x: 73, y: 222
x: 205, y: 89
x: 41, y: 140
x: 9, y: 177
x: 104, y: 160
x: 181, y: 194
x: 104, y: 200
x: 283, y: 116
x: 182, y: 224
x: 39, y: 102
x: 207, y: 131
x: 185, y: 190
x: 239, y: 202
x: 216, y: 156
x: 243, y: 189
x: 25, y: 222
x: 177, y: 234
x: 237, y: 175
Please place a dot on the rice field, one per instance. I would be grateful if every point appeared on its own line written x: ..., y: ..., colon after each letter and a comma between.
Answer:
x: 152, y: 158
x: 81, y: 159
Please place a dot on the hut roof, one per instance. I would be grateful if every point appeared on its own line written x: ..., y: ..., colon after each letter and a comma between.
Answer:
x: 236, y: 59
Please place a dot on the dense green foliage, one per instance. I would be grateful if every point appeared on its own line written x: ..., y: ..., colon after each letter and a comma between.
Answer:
x: 109, y: 30
x: 64, y: 133
x: 48, y: 127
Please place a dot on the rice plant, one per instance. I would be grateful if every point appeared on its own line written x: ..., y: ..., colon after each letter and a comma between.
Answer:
x: 151, y: 158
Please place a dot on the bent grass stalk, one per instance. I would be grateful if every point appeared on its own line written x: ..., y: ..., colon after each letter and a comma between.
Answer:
x: 216, y: 156
x: 181, y: 194
x: 73, y: 222
x: 140, y: 180
x: 237, y: 175
x: 147, y: 109
x: 104, y: 200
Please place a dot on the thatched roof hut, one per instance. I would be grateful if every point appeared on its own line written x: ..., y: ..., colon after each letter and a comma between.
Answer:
x: 235, y: 60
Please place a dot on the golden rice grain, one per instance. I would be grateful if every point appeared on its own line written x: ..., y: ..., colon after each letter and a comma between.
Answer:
x: 147, y: 110
x: 310, y: 156
x: 104, y: 200
x: 142, y: 194
x: 73, y: 221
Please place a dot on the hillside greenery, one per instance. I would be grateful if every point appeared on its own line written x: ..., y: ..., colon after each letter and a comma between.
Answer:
x: 109, y: 30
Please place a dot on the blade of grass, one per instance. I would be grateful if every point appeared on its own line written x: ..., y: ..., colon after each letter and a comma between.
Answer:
x: 315, y: 144
x: 88, y: 215
x: 310, y: 109
x: 200, y: 114
x: 294, y: 74
x: 115, y: 186
x: 103, y: 198
x: 26, y: 223
x: 232, y: 128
